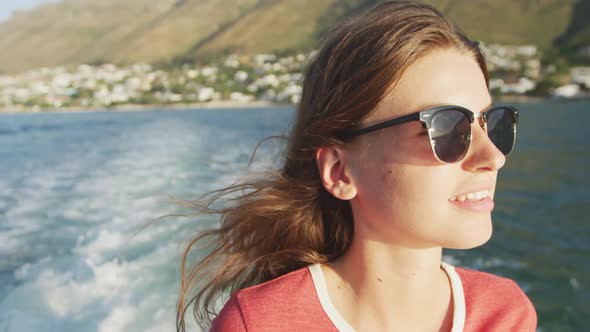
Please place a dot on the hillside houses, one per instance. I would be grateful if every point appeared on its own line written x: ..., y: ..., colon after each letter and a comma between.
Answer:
x: 241, y: 80
x: 238, y: 79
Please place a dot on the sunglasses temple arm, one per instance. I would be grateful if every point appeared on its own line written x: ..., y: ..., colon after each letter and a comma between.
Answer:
x: 393, y: 122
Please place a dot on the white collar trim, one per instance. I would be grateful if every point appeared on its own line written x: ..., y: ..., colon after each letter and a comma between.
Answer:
x: 322, y: 290
x: 342, y: 325
x: 458, y: 297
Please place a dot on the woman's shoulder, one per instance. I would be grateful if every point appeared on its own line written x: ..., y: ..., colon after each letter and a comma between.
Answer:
x: 284, y: 302
x: 494, y: 301
x: 482, y: 284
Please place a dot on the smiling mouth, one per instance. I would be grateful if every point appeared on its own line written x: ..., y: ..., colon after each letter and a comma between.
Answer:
x: 474, y: 196
x: 479, y: 202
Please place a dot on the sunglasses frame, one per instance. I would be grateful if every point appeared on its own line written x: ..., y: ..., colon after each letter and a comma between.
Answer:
x: 425, y: 117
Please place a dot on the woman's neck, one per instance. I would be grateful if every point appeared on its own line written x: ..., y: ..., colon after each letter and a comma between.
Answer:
x: 378, y: 286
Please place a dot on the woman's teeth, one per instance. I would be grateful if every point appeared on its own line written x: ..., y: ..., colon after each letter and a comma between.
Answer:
x: 471, y: 196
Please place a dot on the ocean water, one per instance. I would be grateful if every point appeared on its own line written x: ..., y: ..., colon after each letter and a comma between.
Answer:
x: 76, y: 187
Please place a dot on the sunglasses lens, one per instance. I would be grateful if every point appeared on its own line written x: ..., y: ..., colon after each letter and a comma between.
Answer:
x: 450, y: 135
x: 501, y: 127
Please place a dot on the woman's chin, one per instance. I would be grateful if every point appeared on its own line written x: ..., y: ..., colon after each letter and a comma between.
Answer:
x: 471, y: 237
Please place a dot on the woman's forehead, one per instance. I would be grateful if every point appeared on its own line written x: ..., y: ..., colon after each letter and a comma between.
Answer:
x: 445, y: 77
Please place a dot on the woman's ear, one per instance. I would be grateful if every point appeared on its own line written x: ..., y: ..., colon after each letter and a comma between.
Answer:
x: 334, y: 173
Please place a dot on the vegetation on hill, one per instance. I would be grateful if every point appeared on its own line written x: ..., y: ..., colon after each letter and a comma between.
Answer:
x: 90, y: 31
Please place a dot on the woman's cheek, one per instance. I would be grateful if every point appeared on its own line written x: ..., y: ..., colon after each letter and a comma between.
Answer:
x: 416, y: 151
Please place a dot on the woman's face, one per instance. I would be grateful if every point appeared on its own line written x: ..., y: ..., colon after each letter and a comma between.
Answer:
x: 403, y: 194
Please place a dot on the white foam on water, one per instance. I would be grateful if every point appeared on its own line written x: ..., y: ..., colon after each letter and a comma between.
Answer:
x: 120, y: 319
x: 574, y: 283
x: 18, y: 229
x: 8, y: 244
x: 495, y: 262
x: 111, y: 279
x: 106, y: 241
x: 15, y: 320
x: 115, y: 289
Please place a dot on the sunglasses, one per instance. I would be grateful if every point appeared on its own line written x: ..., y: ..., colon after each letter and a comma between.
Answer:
x: 449, y: 129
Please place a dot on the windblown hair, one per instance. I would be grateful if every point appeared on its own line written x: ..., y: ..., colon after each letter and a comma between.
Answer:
x: 287, y: 220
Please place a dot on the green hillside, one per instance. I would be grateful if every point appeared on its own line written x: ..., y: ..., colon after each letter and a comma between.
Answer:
x: 90, y: 31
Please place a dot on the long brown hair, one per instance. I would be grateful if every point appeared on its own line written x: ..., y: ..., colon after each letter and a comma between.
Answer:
x: 287, y: 220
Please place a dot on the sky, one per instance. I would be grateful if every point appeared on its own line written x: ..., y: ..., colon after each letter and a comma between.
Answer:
x: 8, y: 6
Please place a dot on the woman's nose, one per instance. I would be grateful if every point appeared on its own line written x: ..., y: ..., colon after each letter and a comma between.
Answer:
x: 482, y: 155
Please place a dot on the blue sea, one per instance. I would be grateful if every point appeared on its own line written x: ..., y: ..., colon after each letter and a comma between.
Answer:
x: 75, y: 189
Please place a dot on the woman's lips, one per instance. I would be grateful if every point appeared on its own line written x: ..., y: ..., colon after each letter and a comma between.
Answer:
x: 484, y: 205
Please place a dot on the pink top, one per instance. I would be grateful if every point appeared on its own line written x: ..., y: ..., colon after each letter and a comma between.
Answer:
x: 299, y: 301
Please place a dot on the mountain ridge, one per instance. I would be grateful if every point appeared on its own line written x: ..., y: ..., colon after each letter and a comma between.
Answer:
x: 85, y: 31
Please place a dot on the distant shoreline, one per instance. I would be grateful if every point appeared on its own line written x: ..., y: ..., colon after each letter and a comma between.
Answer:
x: 528, y: 99
x: 519, y: 99
x: 142, y: 107
x: 229, y: 104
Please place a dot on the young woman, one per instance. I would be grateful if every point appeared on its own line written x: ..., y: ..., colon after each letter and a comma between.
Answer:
x: 393, y: 156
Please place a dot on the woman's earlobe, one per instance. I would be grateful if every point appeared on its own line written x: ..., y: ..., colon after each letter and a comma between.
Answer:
x: 332, y: 170
x: 345, y: 193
